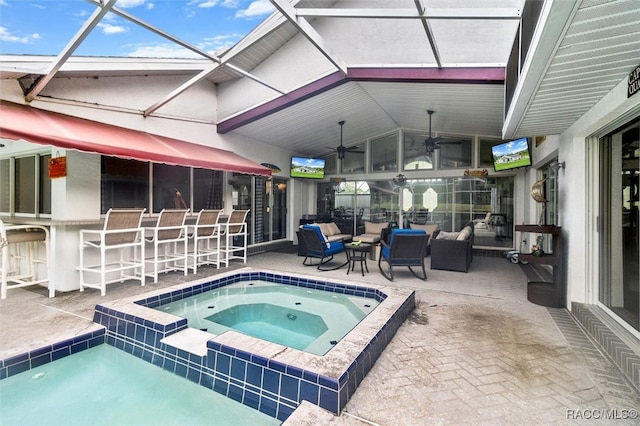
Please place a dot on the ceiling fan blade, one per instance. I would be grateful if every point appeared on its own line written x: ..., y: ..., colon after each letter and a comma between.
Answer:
x: 355, y: 149
x: 446, y: 142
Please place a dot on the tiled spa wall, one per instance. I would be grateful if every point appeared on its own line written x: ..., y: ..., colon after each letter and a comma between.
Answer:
x: 271, y: 387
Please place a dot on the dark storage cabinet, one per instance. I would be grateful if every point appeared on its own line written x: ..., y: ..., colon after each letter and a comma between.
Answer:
x: 545, y: 289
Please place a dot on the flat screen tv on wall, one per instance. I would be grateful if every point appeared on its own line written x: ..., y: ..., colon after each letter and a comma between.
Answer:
x: 309, y: 168
x: 511, y: 155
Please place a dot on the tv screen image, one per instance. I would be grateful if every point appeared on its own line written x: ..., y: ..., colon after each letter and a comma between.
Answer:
x: 511, y: 155
x: 310, y: 168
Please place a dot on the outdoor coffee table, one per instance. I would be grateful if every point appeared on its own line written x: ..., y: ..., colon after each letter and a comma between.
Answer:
x: 357, y: 252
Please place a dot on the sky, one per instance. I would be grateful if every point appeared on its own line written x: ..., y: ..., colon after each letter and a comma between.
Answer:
x: 45, y: 27
x: 510, y: 147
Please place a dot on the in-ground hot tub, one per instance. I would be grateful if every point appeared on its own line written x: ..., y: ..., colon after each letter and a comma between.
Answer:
x: 308, y: 319
x: 267, y: 376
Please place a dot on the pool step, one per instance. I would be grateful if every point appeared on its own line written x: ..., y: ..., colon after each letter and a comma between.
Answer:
x: 190, y: 340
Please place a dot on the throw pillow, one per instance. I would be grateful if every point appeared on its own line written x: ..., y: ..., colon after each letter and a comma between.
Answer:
x: 324, y: 227
x: 333, y: 229
x: 464, y: 234
x: 443, y: 235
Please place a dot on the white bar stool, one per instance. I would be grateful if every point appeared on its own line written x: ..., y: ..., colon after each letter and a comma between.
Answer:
x: 19, y: 250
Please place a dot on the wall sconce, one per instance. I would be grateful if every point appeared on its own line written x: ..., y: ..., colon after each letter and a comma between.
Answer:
x: 281, y: 186
x: 337, y: 183
x: 399, y: 180
x: 557, y: 166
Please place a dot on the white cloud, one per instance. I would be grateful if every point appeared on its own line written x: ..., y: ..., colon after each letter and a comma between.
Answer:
x: 208, y: 3
x: 125, y: 4
x: 112, y: 29
x: 6, y: 36
x: 164, y: 50
x: 3, y: 3
x: 256, y: 9
x: 222, y: 42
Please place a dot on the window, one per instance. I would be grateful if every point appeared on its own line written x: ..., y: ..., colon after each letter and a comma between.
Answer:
x: 331, y: 164
x: 25, y: 187
x: 353, y: 161
x: 207, y: 189
x: 5, y: 186
x: 455, y: 153
x: 171, y: 187
x: 416, y: 156
x: 124, y: 184
x: 486, y: 157
x: 384, y: 153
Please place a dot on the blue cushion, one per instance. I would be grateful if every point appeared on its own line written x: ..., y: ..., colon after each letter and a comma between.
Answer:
x: 405, y: 232
x: 329, y: 248
x: 386, y: 251
x: 334, y: 247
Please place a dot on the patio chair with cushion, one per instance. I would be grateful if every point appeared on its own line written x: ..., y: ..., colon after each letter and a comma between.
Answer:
x: 406, y: 247
x: 120, y: 238
x: 317, y: 247
x: 206, y: 239
x: 453, y: 251
x: 169, y: 239
x: 235, y: 230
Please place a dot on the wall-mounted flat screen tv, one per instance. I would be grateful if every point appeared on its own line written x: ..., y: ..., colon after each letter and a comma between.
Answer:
x: 310, y: 168
x: 511, y: 155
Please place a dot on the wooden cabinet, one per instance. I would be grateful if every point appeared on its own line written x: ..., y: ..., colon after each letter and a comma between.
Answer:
x: 545, y: 288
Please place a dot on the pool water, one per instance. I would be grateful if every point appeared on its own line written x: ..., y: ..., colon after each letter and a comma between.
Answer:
x: 301, y: 318
x: 106, y: 386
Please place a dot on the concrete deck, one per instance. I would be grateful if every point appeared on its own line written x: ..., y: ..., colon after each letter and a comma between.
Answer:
x: 475, y: 351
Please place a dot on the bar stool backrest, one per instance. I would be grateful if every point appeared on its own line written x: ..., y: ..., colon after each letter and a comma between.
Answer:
x: 122, y: 219
x: 173, y: 220
x: 207, y: 217
x: 239, y: 217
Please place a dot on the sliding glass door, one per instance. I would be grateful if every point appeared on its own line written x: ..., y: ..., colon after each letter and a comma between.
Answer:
x: 618, y: 223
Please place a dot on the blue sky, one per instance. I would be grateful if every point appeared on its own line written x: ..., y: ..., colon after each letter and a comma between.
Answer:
x: 44, y: 27
x: 510, y: 147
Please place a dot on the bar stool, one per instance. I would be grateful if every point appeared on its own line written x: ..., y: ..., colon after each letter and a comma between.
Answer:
x: 19, y: 248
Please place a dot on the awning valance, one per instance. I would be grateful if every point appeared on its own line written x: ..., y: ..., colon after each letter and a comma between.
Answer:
x: 19, y: 122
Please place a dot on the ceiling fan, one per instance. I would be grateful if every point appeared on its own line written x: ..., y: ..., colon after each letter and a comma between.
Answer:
x: 431, y: 143
x: 341, y: 149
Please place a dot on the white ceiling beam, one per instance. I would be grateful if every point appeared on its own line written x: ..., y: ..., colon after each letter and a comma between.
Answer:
x: 305, y: 28
x: 428, y: 12
x: 192, y: 48
x: 179, y: 90
x: 427, y: 29
x: 68, y: 50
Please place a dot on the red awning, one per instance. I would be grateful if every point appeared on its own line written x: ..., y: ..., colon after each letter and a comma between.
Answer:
x: 63, y: 131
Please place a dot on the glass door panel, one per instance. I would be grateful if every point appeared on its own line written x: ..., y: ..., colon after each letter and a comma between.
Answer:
x: 619, y: 230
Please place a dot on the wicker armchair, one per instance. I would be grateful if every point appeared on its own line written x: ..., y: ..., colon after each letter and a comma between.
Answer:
x: 406, y: 247
x: 453, y: 254
x: 317, y: 248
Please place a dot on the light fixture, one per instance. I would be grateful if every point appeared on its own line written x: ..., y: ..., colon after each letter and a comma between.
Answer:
x: 399, y: 180
x: 338, y: 183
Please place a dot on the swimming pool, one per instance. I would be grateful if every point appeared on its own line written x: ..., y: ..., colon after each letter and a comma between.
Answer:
x: 272, y: 378
x: 106, y: 386
x: 302, y: 318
